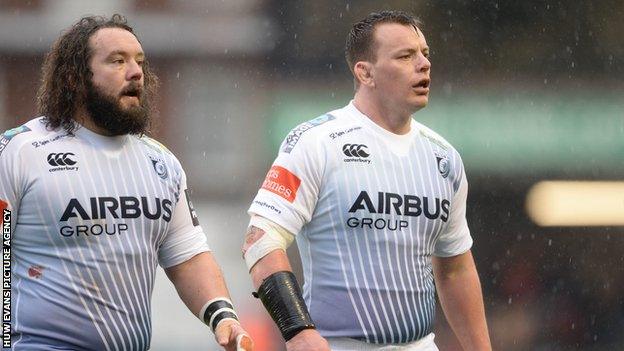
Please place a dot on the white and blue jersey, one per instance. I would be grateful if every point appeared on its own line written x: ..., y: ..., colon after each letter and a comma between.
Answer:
x: 369, y: 208
x: 92, y: 217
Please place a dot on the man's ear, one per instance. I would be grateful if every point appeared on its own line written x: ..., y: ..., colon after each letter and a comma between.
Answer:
x: 363, y: 72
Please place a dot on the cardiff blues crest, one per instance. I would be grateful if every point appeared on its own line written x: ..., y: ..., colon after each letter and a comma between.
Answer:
x: 159, y: 167
x: 444, y: 165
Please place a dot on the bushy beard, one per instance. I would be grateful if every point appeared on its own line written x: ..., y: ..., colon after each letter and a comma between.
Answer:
x: 106, y: 111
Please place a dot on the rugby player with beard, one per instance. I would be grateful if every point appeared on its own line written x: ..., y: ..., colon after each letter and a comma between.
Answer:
x: 97, y: 205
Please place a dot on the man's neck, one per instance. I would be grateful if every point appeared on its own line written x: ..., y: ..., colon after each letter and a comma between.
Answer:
x: 397, y: 122
x: 82, y: 116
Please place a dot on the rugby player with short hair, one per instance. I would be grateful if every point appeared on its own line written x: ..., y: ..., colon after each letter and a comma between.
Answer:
x: 97, y: 205
x: 377, y: 204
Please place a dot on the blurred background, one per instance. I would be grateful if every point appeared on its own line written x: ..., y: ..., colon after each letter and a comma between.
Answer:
x: 530, y: 92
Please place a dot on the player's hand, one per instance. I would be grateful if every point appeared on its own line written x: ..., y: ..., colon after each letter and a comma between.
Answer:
x: 307, y: 340
x: 232, y: 337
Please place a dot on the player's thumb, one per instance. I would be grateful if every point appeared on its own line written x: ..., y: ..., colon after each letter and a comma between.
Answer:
x: 243, y: 341
x: 224, y: 332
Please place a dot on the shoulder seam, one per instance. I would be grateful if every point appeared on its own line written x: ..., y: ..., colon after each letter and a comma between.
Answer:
x: 154, y: 144
x: 433, y: 137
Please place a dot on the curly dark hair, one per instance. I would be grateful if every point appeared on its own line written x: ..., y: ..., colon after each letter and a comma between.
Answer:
x: 66, y: 74
x: 360, y: 43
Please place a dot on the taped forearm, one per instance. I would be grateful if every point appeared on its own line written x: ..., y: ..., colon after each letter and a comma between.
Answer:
x: 263, y: 237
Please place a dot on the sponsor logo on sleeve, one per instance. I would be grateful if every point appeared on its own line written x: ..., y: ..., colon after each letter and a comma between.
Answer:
x: 269, y: 206
x: 293, y: 137
x: 192, y: 211
x: 282, y: 182
x: 9, y: 134
x: 15, y: 131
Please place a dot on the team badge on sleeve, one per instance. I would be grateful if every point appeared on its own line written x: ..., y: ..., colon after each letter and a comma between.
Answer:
x: 282, y: 182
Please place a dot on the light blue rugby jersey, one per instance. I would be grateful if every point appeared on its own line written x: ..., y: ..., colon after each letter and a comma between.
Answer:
x: 92, y: 217
x: 370, y: 208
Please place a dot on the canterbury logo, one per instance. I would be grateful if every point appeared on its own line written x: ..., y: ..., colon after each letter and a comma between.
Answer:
x: 61, y: 159
x: 355, y: 150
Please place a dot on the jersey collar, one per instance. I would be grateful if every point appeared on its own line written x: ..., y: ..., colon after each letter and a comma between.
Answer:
x: 110, y: 143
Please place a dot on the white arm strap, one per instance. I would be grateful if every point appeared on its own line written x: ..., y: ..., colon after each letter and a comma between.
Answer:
x: 275, y: 238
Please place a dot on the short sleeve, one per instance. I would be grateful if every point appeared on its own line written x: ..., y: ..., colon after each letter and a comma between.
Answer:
x: 289, y: 192
x: 11, y: 178
x: 185, y: 237
x: 456, y: 239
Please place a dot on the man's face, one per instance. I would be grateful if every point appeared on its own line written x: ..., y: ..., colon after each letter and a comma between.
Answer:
x: 115, y: 97
x: 401, y: 69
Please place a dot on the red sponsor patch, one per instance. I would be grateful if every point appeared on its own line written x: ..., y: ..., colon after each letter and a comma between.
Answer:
x: 282, y: 182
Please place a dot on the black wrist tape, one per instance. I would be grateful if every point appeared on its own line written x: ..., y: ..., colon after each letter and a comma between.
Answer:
x: 218, y: 310
x: 281, y: 296
x: 221, y: 316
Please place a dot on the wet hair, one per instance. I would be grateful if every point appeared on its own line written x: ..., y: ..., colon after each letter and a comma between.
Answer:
x: 360, y: 45
x: 65, y: 74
